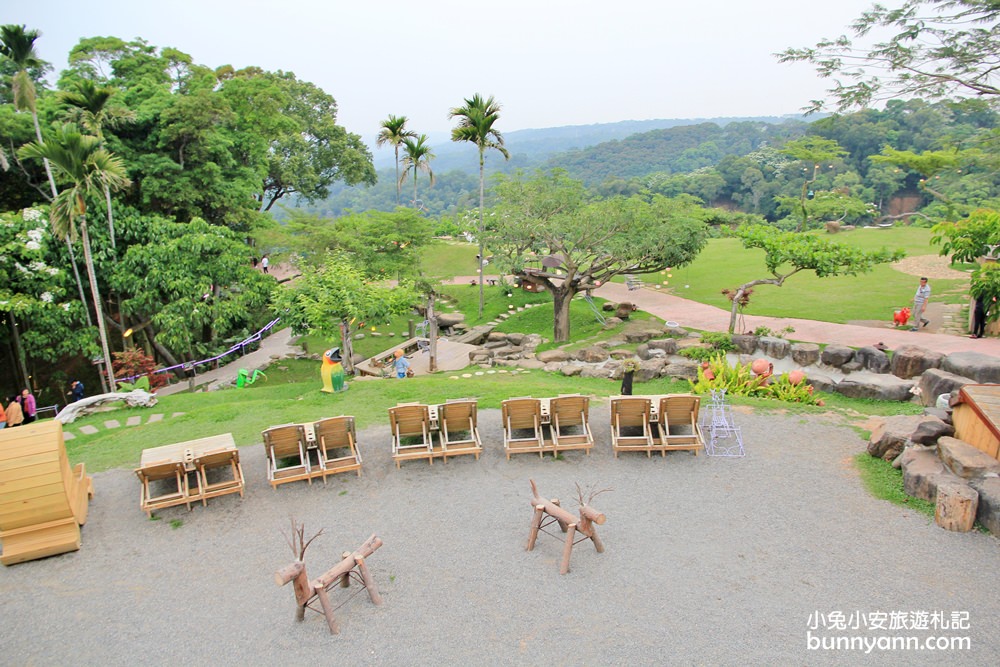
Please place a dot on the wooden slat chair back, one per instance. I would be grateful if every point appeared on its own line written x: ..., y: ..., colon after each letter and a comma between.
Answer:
x: 287, y: 461
x: 679, y: 428
x: 171, y: 487
x: 226, y: 463
x: 630, y: 430
x: 570, y: 420
x: 338, y: 449
x: 522, y: 426
x: 459, y: 421
x: 411, y: 432
x: 43, y: 502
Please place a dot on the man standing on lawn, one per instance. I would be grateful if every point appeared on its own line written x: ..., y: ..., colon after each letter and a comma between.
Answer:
x: 920, y: 300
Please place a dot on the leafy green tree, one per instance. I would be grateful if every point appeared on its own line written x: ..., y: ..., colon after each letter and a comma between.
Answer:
x: 928, y: 164
x: 89, y: 168
x: 814, y: 151
x: 476, y: 119
x: 336, y: 299
x: 583, y: 245
x: 88, y: 105
x: 42, y: 317
x: 188, y: 287
x: 829, y: 206
x: 788, y: 253
x: 418, y: 158
x: 971, y: 238
x: 937, y: 49
x: 393, y: 132
x: 383, y: 245
x: 17, y: 45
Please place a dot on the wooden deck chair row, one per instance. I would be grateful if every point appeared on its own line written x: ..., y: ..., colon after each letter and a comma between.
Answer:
x: 43, y: 501
x: 630, y: 427
x: 459, y: 428
x: 336, y: 439
x: 522, y: 426
x: 411, y: 433
x: 678, y: 424
x: 569, y: 417
x: 285, y: 449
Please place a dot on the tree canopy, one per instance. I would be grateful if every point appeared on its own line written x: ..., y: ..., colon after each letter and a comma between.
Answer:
x: 546, y: 231
x: 923, y: 48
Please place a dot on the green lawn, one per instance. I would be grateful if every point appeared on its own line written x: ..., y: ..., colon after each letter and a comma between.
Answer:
x: 873, y: 296
x: 447, y: 259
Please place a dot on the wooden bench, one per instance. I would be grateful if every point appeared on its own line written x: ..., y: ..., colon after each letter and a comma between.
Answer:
x: 43, y: 502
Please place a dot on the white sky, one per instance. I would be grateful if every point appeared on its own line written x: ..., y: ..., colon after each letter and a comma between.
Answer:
x: 548, y: 62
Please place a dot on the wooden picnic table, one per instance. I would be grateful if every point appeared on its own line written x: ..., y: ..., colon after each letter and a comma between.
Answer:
x: 187, y: 452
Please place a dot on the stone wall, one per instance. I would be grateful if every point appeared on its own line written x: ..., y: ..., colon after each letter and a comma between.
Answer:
x: 911, y: 373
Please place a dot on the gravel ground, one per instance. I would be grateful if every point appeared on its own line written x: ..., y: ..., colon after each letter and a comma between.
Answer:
x: 707, y: 561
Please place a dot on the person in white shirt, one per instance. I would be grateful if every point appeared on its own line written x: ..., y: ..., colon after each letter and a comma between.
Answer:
x: 920, y: 300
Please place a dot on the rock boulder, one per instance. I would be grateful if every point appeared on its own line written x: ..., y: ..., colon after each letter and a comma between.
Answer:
x: 965, y: 460
x: 805, y: 354
x: 936, y: 381
x: 982, y: 368
x: 872, y: 359
x: 890, y: 437
x: 836, y: 355
x: 911, y: 360
x: 882, y: 387
x: 923, y: 472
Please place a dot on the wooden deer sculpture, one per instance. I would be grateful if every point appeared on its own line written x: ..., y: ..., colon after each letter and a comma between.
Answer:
x: 567, y: 522
x: 306, y: 591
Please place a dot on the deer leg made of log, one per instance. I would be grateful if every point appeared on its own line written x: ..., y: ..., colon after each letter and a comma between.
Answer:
x: 562, y: 522
x: 567, y: 548
x: 536, y: 522
x: 367, y: 578
x: 324, y: 600
x: 345, y: 579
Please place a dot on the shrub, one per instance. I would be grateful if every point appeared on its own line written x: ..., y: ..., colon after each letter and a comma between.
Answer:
x: 134, y: 363
x: 739, y: 380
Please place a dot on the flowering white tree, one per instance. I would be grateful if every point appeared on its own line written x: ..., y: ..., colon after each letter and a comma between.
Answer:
x: 42, y: 319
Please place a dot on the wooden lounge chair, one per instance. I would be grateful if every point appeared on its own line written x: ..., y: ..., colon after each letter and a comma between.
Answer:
x: 630, y: 431
x: 569, y: 417
x: 287, y: 461
x: 43, y: 502
x: 219, y: 460
x: 522, y: 426
x: 171, y: 477
x: 411, y: 433
x: 338, y: 449
x: 459, y: 421
x: 679, y: 427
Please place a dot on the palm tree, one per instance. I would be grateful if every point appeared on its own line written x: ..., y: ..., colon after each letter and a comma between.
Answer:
x: 394, y: 132
x: 89, y: 168
x: 418, y: 158
x: 88, y: 105
x: 475, y: 125
x: 17, y: 44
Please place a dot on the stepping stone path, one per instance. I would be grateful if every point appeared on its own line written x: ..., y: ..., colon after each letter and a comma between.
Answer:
x: 134, y: 420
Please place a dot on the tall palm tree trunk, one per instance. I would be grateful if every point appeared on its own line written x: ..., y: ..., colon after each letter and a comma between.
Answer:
x: 69, y: 245
x: 482, y: 200
x: 111, y: 216
x: 109, y: 382
x: 399, y: 188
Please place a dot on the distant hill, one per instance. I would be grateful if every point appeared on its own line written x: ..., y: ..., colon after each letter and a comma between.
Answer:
x: 591, y: 153
x: 533, y: 148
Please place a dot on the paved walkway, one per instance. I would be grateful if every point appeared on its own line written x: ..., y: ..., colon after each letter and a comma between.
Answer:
x: 694, y: 315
